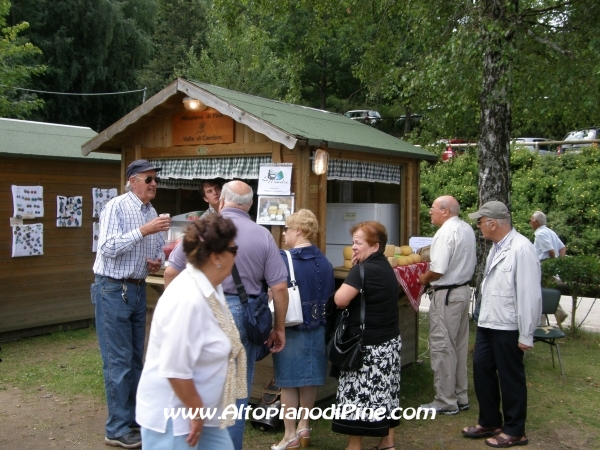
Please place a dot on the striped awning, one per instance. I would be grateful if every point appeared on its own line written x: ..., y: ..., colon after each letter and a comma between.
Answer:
x: 347, y: 170
x: 186, y: 173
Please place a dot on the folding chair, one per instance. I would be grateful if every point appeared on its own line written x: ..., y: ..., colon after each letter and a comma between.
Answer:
x: 549, y: 334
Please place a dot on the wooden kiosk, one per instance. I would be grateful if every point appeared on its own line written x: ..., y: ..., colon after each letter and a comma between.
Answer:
x: 232, y: 134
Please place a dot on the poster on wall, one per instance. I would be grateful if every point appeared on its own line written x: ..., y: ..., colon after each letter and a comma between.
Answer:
x: 95, y: 234
x: 100, y: 197
x: 28, y: 201
x: 274, y: 210
x: 28, y: 240
x: 275, y: 179
x: 68, y: 211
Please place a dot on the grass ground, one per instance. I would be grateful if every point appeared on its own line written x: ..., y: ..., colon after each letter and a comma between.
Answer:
x: 560, y: 414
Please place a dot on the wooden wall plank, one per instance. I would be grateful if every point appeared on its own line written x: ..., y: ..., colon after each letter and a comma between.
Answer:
x: 55, y: 287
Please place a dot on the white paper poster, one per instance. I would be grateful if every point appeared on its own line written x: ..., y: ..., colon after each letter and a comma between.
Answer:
x: 68, y: 211
x: 28, y: 240
x: 28, y: 201
x: 100, y: 197
x: 95, y: 233
x: 275, y: 179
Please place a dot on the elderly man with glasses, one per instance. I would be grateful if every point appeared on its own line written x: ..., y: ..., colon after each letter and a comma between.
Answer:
x: 129, y: 247
x: 509, y: 307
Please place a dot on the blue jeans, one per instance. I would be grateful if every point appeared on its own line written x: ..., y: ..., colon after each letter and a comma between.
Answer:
x: 212, y: 438
x: 121, y: 330
x: 236, y: 431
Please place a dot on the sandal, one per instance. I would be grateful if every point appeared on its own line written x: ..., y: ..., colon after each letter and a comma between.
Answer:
x: 383, y: 448
x: 508, y: 441
x: 478, y: 431
x: 304, y: 436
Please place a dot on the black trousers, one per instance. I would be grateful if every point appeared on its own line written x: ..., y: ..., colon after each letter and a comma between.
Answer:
x: 499, y: 372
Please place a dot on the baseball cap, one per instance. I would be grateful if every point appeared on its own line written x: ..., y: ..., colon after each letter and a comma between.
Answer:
x: 141, y: 165
x: 493, y: 210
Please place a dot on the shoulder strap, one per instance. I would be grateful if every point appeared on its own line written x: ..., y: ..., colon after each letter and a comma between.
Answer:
x: 362, y: 296
x: 238, y: 284
x: 291, y: 268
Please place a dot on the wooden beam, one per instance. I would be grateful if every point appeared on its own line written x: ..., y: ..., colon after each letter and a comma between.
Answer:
x: 214, y: 150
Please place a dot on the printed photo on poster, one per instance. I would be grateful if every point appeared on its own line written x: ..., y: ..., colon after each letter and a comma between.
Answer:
x: 100, y: 197
x: 28, y: 240
x: 28, y: 201
x: 95, y: 234
x: 68, y: 211
x: 273, y: 210
x: 275, y: 179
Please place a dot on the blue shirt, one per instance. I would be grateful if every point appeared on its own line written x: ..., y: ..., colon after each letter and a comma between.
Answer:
x: 314, y: 277
x: 122, y: 250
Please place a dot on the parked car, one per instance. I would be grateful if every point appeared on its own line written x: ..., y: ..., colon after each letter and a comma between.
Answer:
x: 367, y: 116
x: 586, y: 133
x: 526, y: 142
x: 451, y: 152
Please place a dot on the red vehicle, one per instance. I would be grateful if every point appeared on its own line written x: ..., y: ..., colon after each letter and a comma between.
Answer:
x: 451, y: 152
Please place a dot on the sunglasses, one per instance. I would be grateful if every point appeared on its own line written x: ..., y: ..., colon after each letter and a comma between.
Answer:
x: 149, y: 179
x: 233, y: 250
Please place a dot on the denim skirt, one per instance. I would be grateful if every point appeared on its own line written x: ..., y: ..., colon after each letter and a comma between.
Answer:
x: 303, y: 361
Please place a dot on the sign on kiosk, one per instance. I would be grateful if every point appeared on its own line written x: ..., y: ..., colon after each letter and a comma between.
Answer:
x: 202, y: 127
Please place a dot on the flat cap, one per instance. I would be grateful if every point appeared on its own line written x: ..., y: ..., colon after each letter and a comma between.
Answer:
x: 493, y: 210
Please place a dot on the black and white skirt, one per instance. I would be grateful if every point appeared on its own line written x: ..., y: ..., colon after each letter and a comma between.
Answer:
x: 375, y: 385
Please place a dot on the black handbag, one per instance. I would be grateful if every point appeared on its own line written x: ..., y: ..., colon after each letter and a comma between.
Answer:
x: 346, y: 352
x: 270, y: 400
x: 258, y: 320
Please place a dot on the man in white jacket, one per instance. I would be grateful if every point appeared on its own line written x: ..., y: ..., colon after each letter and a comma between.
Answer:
x: 509, y: 307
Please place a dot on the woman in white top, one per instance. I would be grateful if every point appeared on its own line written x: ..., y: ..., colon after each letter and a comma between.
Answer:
x: 195, y: 360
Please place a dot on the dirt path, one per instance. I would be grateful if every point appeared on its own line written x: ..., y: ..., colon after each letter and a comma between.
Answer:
x: 44, y: 420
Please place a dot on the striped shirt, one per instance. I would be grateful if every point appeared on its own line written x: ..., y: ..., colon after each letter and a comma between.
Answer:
x: 122, y: 250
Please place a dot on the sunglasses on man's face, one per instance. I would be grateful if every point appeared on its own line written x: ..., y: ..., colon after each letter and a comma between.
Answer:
x: 233, y: 250
x: 149, y: 179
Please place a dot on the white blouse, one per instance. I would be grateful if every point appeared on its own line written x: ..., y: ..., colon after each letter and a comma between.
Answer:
x: 185, y: 342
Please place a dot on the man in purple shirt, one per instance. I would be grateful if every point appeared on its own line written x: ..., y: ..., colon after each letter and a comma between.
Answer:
x: 258, y: 262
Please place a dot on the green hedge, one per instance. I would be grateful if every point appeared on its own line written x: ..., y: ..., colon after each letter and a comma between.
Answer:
x: 566, y: 188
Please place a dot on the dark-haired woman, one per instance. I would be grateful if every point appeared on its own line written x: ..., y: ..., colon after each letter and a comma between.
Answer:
x: 195, y: 359
x: 377, y: 383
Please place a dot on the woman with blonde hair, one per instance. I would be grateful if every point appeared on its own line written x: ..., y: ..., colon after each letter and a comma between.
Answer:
x: 195, y: 359
x: 301, y: 366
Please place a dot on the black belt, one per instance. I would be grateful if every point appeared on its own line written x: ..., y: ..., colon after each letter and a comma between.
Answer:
x: 449, y: 287
x: 126, y: 280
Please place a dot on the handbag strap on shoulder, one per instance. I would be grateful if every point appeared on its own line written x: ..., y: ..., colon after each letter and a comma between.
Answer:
x: 362, y: 297
x: 291, y: 269
x: 238, y: 284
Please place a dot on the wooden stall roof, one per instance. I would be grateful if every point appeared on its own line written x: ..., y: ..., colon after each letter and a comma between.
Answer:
x: 39, y: 139
x: 285, y: 123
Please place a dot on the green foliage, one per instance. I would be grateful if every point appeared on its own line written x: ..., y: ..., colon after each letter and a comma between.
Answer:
x: 17, y: 66
x: 565, y: 188
x: 581, y: 274
x: 89, y: 46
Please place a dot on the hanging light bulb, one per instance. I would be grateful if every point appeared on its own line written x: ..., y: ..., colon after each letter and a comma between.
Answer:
x: 193, y: 104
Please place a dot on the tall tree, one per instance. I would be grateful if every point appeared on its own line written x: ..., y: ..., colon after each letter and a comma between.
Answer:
x: 89, y: 46
x: 17, y: 66
x: 179, y: 37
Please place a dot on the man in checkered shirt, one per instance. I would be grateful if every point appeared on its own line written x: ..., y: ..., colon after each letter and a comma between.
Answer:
x: 129, y: 247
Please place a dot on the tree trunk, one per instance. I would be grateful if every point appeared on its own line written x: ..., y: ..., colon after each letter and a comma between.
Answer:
x: 495, y: 118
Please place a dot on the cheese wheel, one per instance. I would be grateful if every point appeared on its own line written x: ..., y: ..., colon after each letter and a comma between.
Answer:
x: 392, y: 260
x: 348, y: 263
x: 406, y: 250
x: 403, y: 261
x: 397, y: 250
x: 283, y: 206
x: 348, y: 252
x: 389, y: 250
